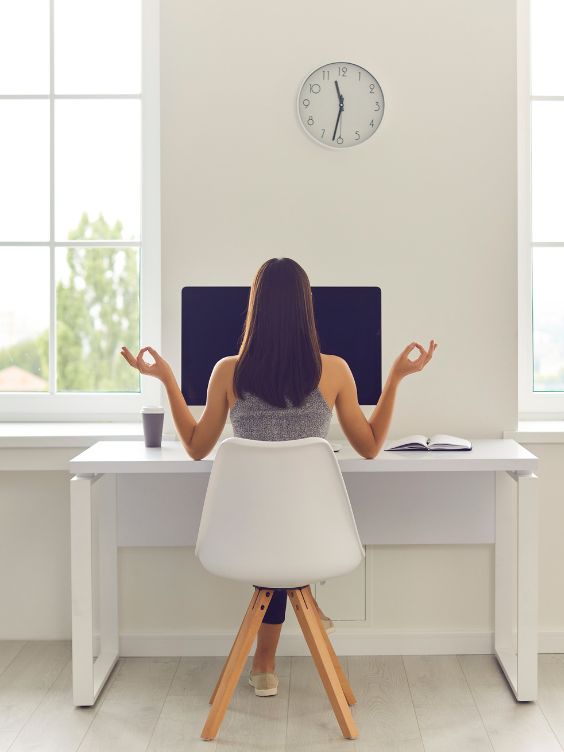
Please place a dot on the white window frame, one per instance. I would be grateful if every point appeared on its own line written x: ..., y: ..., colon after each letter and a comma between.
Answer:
x: 532, y: 405
x: 116, y: 406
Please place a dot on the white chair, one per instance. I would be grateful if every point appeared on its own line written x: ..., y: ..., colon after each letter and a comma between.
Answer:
x: 278, y: 512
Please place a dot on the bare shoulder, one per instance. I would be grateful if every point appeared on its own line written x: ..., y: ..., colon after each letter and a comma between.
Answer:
x: 335, y: 370
x: 335, y: 364
x: 229, y: 361
x: 225, y: 367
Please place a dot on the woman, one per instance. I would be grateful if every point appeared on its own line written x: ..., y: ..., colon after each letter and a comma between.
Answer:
x: 280, y: 387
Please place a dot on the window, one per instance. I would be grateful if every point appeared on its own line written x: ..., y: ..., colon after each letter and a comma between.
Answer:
x: 541, y: 208
x: 79, y: 224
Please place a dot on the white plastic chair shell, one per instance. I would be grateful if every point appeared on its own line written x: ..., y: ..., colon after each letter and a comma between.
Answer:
x: 277, y: 514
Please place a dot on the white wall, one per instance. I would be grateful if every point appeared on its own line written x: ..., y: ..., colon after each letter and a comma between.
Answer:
x: 34, y: 555
x: 426, y: 209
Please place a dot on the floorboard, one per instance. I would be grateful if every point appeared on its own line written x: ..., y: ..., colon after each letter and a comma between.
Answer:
x: 57, y: 725
x: 131, y: 708
x: 512, y: 726
x: 384, y: 711
x: 312, y: 726
x: 404, y: 704
x: 551, y: 692
x: 25, y: 682
x: 447, y: 714
x: 8, y: 651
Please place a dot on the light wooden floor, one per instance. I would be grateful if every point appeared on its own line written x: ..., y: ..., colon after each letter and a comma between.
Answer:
x: 405, y: 704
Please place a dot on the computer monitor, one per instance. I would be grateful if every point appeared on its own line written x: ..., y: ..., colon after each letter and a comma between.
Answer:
x: 348, y: 322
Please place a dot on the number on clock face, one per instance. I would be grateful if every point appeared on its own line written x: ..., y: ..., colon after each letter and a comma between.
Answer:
x: 340, y: 105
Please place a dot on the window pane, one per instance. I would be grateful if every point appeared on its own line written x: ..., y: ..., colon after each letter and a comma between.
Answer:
x: 24, y: 46
x: 548, y: 319
x: 97, y: 313
x: 97, y: 165
x: 97, y: 46
x: 547, y: 51
x: 24, y: 319
x: 24, y: 170
x: 547, y: 171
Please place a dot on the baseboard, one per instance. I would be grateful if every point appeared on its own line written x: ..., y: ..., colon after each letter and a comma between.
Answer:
x: 345, y: 642
x: 551, y: 642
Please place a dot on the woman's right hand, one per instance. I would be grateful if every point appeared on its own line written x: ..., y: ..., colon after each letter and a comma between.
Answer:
x: 160, y: 369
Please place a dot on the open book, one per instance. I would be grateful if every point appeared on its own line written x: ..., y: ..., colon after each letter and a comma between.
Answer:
x: 438, y: 442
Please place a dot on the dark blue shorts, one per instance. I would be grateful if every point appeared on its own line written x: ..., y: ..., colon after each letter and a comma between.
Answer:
x: 276, y: 611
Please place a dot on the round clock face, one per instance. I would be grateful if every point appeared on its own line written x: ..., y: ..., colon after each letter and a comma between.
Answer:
x: 340, y: 105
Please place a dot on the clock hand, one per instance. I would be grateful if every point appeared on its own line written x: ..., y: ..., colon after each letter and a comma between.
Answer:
x: 341, y: 97
x: 337, y: 124
x: 341, y: 109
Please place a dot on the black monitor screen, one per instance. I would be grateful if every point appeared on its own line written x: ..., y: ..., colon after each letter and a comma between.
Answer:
x: 348, y: 323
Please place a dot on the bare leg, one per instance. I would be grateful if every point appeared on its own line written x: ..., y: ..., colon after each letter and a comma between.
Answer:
x: 264, y: 660
x: 267, y: 642
x: 321, y: 614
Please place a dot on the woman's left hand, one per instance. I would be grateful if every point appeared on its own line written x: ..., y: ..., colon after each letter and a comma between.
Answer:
x: 160, y: 369
x: 403, y: 365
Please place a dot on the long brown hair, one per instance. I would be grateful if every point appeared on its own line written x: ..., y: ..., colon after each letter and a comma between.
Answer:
x: 279, y: 356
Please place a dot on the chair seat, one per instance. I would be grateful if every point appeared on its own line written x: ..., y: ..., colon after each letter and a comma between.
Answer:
x: 277, y: 512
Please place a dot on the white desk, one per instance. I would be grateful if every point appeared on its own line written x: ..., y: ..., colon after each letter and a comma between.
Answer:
x: 516, y: 545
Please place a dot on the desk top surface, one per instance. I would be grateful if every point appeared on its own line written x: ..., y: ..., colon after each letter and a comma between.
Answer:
x: 135, y: 457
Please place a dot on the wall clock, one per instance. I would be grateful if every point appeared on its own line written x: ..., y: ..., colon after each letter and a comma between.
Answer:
x: 340, y: 105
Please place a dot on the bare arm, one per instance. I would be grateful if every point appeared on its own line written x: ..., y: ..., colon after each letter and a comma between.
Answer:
x: 367, y: 436
x: 382, y: 414
x: 197, y: 437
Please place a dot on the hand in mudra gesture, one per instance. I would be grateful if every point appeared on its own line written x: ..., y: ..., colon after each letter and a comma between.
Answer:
x: 403, y: 365
x: 160, y: 369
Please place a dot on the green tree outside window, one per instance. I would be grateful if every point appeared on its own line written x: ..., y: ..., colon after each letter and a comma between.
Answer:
x: 97, y: 301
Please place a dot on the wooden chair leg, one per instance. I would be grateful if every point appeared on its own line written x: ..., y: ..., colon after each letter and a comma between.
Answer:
x: 236, y: 661
x: 249, y: 609
x: 312, y: 632
x: 347, y: 689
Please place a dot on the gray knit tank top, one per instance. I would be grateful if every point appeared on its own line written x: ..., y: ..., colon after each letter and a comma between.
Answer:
x: 253, y: 418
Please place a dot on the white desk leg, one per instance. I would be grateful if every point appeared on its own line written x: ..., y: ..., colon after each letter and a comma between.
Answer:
x: 89, y: 675
x: 516, y: 587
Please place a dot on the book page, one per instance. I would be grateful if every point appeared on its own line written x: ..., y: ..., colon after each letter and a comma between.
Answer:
x: 416, y: 440
x: 444, y: 439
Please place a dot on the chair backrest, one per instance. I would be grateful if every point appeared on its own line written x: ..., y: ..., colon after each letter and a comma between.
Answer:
x: 277, y: 514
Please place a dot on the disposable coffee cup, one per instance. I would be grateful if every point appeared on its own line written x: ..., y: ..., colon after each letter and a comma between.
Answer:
x: 153, y: 418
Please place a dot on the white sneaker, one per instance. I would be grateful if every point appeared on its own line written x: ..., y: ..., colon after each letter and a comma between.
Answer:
x: 328, y: 625
x: 265, y: 685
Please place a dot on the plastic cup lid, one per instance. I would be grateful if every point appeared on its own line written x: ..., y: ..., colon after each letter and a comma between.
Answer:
x: 152, y: 409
